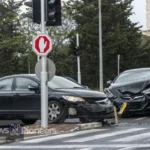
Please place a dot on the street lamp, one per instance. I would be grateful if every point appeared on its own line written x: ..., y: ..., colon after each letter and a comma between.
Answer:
x: 100, y: 49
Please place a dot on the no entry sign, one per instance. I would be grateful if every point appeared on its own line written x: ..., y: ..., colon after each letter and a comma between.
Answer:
x: 42, y: 45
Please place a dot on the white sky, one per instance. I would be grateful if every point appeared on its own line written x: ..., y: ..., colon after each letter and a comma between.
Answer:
x: 140, y: 12
x: 139, y: 8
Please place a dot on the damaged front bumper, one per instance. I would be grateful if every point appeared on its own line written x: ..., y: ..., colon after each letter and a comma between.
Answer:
x: 94, y: 111
x: 137, y: 104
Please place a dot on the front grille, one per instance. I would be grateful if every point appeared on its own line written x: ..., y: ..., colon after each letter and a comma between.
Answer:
x: 93, y: 100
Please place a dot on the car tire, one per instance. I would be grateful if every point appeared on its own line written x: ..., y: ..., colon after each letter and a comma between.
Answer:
x: 29, y: 121
x: 56, y: 112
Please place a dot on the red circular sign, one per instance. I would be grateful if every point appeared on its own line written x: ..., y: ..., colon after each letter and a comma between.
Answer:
x: 42, y: 45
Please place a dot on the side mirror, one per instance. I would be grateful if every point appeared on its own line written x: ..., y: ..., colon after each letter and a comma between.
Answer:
x: 33, y: 88
x: 109, y: 83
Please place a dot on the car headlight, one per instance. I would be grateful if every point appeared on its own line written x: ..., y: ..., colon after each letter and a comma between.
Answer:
x: 73, y: 99
x: 147, y: 91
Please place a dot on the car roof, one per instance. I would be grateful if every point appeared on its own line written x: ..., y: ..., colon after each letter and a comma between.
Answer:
x: 20, y: 75
x: 137, y: 70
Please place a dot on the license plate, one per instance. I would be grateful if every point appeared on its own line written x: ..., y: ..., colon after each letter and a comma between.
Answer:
x: 123, y: 107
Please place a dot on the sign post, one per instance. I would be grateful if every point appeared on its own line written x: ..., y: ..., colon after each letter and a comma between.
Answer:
x: 44, y: 88
x: 78, y: 60
x: 42, y: 45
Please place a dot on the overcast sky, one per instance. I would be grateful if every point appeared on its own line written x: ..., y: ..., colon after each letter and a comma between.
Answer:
x: 140, y: 12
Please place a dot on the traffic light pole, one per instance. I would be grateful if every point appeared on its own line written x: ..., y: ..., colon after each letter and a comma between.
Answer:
x: 78, y: 60
x: 44, y: 88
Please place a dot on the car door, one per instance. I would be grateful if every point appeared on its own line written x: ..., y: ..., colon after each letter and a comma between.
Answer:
x: 6, y: 95
x: 25, y: 101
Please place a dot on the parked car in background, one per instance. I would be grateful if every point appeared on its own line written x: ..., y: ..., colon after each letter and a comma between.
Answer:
x: 133, y: 88
x: 20, y: 99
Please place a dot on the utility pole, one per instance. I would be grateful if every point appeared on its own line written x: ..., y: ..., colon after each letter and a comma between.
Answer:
x: 78, y: 60
x: 100, y: 49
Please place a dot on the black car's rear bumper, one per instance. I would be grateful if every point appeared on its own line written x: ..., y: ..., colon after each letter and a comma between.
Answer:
x: 94, y: 111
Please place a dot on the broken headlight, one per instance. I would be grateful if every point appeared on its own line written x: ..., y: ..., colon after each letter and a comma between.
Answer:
x: 109, y: 94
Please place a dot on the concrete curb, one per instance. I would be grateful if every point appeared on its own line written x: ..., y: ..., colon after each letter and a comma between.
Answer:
x: 78, y: 127
x: 90, y: 125
x: 3, y: 139
x: 73, y: 128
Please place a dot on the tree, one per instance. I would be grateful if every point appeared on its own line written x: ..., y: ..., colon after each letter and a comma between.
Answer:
x: 120, y: 36
x: 12, y: 37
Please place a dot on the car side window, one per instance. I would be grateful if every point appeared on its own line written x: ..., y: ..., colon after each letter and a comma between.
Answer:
x: 24, y: 83
x: 6, y: 84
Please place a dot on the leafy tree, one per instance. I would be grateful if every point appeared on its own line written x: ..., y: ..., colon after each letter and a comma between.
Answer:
x: 120, y: 36
x: 12, y: 37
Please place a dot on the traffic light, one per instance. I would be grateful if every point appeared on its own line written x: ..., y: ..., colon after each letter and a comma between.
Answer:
x: 76, y: 51
x: 36, y: 13
x: 53, y: 12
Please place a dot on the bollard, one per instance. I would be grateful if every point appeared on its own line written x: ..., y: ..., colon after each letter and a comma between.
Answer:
x: 116, y: 116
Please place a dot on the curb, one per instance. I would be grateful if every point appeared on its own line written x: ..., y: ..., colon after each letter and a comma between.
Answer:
x: 29, y: 136
x: 78, y: 127
x: 3, y: 139
x: 90, y: 125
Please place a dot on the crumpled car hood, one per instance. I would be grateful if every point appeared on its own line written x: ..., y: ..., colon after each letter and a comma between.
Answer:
x: 133, y: 88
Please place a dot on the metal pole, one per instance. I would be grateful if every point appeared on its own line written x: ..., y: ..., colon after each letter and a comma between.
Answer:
x: 29, y: 68
x: 44, y: 88
x: 78, y: 60
x: 118, y: 64
x: 100, y: 49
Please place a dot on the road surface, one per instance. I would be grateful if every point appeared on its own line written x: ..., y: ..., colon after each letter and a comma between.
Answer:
x: 130, y: 134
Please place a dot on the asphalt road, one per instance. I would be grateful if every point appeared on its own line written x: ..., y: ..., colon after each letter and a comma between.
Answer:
x: 130, y: 134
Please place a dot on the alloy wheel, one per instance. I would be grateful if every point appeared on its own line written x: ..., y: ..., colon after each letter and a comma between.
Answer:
x: 53, y: 111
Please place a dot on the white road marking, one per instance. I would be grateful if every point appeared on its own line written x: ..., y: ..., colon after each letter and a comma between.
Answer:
x: 85, y: 149
x: 62, y: 136
x: 74, y: 146
x: 133, y: 137
x: 100, y: 136
x: 127, y: 148
x: 140, y: 118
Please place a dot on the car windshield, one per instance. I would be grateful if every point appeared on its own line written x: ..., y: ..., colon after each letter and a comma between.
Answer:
x: 133, y: 76
x: 62, y: 83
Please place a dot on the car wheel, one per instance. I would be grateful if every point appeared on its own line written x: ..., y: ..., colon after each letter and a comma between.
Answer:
x: 29, y: 121
x: 56, y: 112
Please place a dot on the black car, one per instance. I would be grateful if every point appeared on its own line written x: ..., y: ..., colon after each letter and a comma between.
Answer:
x: 131, y: 87
x: 20, y: 99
